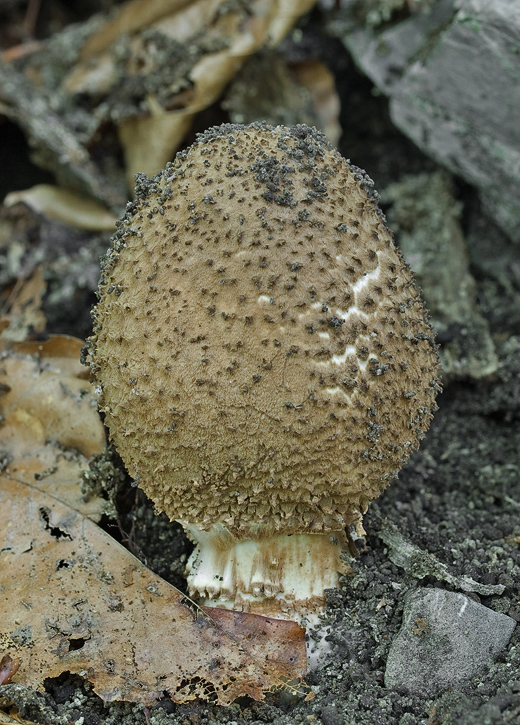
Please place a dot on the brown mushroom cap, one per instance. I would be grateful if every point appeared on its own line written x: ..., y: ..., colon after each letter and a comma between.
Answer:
x: 263, y: 353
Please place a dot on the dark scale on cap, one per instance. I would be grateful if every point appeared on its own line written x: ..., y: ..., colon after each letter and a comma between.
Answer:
x: 260, y: 335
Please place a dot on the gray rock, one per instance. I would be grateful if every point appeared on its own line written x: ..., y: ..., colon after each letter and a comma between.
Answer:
x: 453, y: 78
x: 445, y: 639
x: 425, y: 217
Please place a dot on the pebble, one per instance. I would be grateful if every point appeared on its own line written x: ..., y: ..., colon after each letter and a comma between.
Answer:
x: 445, y: 638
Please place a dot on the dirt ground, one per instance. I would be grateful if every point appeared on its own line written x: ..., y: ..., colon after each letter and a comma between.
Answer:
x: 458, y: 498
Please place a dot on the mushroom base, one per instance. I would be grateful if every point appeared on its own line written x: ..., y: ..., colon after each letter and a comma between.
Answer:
x: 282, y: 576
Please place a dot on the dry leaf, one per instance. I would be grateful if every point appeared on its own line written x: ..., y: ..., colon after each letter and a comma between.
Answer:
x: 68, y: 207
x: 13, y: 718
x: 61, y: 352
x: 50, y: 424
x: 319, y: 81
x: 8, y: 668
x: 72, y: 598
x: 148, y: 69
x: 282, y: 92
x: 149, y: 141
x: 23, y: 308
x: 75, y: 600
x: 132, y: 17
x: 218, y: 36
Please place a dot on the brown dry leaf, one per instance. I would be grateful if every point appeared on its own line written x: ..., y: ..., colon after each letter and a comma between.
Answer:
x: 61, y: 352
x: 218, y: 36
x: 72, y: 598
x: 319, y: 81
x: 131, y: 18
x: 150, y: 141
x: 13, y: 718
x: 23, y: 307
x: 50, y: 424
x: 8, y: 668
x: 75, y: 600
x: 63, y: 205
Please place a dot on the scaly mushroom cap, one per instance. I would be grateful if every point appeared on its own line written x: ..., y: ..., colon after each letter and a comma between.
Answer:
x: 263, y: 353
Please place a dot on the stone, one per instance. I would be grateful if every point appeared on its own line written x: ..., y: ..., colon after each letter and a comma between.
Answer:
x: 453, y: 79
x: 445, y: 638
x: 425, y: 216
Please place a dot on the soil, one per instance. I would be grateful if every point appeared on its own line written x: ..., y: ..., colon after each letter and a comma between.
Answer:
x: 458, y: 498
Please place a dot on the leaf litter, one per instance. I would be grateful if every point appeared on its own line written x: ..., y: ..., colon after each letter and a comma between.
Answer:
x: 134, y: 79
x: 76, y: 600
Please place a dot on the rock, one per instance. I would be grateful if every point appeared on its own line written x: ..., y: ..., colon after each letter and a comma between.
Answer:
x: 453, y: 79
x: 445, y: 639
x: 426, y: 218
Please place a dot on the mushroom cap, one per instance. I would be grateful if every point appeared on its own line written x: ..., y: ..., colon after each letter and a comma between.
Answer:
x: 264, y: 358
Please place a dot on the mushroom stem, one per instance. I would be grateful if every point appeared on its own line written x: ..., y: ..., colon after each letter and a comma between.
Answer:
x: 277, y: 576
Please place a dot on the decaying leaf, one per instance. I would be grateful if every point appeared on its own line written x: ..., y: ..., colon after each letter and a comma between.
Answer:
x: 23, y: 314
x: 132, y: 17
x: 179, y: 57
x: 75, y: 600
x: 50, y: 424
x: 319, y: 81
x: 285, y: 92
x: 65, y: 206
x: 143, y: 71
x: 58, y: 352
x: 8, y: 668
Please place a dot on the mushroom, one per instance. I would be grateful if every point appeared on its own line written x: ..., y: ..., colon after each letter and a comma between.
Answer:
x: 263, y: 357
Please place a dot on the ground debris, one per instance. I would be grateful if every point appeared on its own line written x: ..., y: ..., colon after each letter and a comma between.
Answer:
x: 85, y: 605
x: 141, y: 73
x: 56, y: 146
x: 75, y: 600
x: 420, y: 563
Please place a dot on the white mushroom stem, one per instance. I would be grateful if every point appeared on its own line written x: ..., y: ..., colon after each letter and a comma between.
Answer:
x: 283, y: 576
